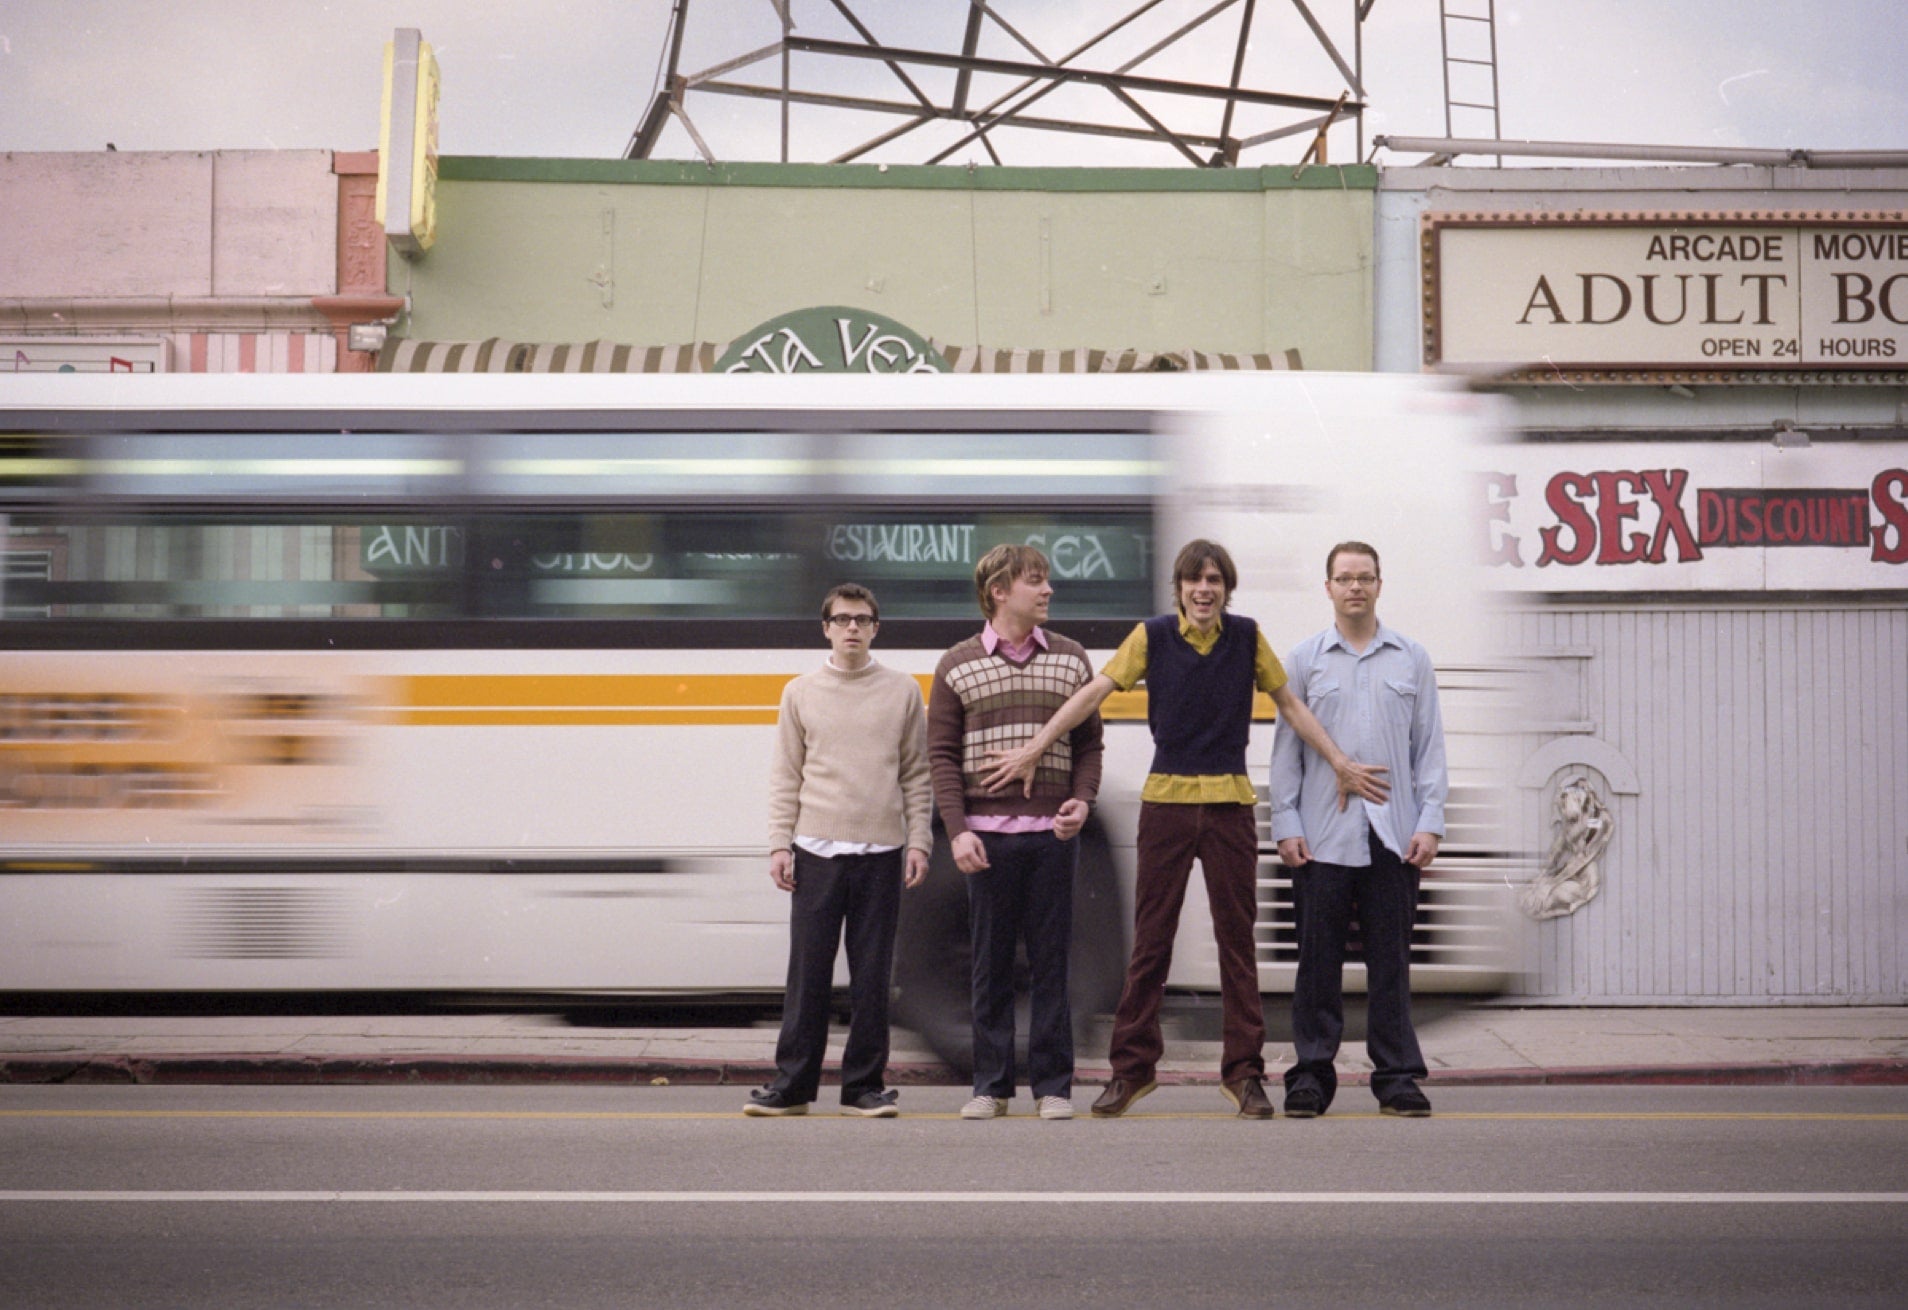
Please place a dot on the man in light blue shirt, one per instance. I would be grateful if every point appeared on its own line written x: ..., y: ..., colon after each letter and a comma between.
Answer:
x: 1374, y: 691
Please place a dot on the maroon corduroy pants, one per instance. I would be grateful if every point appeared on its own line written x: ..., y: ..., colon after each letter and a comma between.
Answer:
x: 1225, y: 841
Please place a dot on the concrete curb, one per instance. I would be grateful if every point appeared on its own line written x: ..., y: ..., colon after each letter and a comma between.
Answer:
x: 431, y: 1070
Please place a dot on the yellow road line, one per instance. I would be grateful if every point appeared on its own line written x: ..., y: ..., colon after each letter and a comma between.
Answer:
x: 1723, y: 1116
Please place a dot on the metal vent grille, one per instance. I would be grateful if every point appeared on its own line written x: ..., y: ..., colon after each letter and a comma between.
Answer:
x: 264, y: 923
x: 1463, y: 935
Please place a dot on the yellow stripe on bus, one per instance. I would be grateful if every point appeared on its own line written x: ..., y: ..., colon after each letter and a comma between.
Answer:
x: 581, y: 699
x: 527, y: 691
x: 509, y: 718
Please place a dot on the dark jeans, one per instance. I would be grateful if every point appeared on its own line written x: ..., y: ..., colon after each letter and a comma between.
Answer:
x: 1025, y: 892
x: 1384, y: 897
x: 864, y: 893
x: 1225, y: 841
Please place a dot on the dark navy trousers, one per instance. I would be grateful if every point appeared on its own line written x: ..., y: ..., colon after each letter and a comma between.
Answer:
x: 1025, y: 892
x: 861, y: 893
x: 1383, y: 896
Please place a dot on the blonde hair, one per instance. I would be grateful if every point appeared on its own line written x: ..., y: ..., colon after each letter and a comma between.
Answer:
x: 1003, y: 566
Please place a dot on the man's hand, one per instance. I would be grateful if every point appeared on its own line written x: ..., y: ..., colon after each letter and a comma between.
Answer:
x: 1069, y: 819
x: 1009, y: 767
x: 1423, y: 849
x: 969, y: 855
x: 917, y: 868
x: 1293, y: 852
x: 782, y: 869
x: 1363, y: 780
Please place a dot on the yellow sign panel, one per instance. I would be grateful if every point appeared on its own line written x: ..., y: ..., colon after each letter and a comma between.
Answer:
x: 407, y: 143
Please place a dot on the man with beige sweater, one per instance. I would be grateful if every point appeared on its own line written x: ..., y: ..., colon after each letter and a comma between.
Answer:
x: 849, y: 820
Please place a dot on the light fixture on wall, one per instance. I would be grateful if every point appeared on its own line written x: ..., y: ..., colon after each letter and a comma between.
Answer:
x: 365, y: 336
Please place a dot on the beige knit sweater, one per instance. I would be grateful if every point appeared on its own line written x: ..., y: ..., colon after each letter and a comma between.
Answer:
x: 851, y: 760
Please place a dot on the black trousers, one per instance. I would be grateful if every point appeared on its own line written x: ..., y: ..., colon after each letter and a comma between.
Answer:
x: 1384, y: 897
x: 1026, y: 892
x: 861, y: 893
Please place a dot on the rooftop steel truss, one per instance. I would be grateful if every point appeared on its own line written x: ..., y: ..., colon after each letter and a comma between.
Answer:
x: 1032, y: 79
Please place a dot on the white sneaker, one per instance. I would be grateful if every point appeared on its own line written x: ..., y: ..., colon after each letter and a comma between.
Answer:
x: 1056, y: 1107
x: 984, y: 1107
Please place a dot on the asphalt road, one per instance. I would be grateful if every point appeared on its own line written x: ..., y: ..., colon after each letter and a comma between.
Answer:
x: 564, y: 1196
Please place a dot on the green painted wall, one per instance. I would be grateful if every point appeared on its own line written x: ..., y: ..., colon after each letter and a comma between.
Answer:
x: 660, y: 253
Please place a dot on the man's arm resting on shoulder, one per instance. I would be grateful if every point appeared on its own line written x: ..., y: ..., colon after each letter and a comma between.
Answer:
x: 1019, y: 765
x: 1354, y: 779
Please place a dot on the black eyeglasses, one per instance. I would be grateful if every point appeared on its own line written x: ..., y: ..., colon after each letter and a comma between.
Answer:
x: 852, y: 620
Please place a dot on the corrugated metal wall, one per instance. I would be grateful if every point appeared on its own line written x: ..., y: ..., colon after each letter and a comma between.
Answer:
x: 1764, y: 857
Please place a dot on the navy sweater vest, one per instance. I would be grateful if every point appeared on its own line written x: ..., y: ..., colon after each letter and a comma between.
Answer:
x: 1200, y: 706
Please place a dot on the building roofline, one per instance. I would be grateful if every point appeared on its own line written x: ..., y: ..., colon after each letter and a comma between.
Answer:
x: 918, y: 177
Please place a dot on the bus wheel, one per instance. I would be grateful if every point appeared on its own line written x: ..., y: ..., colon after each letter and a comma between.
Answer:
x: 1102, y: 938
x: 934, y: 960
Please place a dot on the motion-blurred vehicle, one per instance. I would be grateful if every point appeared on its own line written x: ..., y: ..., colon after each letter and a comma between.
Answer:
x: 465, y: 685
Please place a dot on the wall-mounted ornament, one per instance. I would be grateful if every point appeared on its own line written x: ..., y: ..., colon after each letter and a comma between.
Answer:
x: 1571, y: 877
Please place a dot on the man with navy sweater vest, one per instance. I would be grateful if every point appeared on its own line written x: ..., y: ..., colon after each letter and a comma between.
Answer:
x: 1201, y: 667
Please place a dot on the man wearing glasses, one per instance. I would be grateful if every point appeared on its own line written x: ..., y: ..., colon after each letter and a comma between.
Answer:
x: 849, y: 816
x: 1373, y: 689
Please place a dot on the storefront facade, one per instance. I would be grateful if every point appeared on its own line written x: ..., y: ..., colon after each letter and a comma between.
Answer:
x: 176, y: 262
x: 1272, y: 262
x: 1703, y: 533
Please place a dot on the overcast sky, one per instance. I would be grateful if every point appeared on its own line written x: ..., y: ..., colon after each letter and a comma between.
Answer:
x: 570, y: 78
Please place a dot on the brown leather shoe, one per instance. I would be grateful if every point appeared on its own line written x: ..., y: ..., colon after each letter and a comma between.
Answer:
x: 1249, y: 1095
x: 1119, y: 1094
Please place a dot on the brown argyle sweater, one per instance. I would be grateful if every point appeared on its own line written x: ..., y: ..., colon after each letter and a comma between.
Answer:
x: 981, y: 703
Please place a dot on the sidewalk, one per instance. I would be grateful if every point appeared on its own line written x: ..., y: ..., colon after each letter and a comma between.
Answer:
x: 1474, y: 1046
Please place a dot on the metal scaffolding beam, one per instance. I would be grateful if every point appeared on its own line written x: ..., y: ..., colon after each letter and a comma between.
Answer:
x: 1139, y: 107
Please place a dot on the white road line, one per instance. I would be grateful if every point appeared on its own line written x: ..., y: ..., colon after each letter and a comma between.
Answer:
x: 18, y: 1197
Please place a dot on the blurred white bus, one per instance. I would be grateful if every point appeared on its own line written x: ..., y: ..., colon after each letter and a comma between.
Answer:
x: 467, y: 684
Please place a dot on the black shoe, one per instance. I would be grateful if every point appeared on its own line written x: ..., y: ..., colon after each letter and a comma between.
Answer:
x: 1118, y: 1096
x: 1249, y: 1095
x: 1304, y: 1103
x: 1407, y: 1104
x: 873, y: 1105
x: 768, y: 1101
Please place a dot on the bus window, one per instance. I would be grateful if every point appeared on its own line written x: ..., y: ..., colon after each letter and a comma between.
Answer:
x: 637, y: 564
x: 921, y: 564
x: 248, y: 566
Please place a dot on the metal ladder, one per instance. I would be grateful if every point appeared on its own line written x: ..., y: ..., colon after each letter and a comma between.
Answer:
x: 1462, y: 13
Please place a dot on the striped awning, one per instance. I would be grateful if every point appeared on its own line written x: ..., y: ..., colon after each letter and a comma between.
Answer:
x: 498, y: 356
x: 982, y: 359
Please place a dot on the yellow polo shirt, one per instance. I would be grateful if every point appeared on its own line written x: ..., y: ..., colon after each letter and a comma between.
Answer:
x: 1128, y: 667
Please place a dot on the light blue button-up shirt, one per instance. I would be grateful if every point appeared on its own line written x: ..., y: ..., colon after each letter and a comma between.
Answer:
x: 1381, y: 707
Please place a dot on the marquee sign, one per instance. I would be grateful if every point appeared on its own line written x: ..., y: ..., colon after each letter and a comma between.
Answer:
x: 407, y: 143
x: 1668, y: 297
x: 1602, y: 516
x: 833, y: 339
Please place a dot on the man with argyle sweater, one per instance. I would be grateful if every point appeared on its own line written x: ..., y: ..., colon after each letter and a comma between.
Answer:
x: 1201, y: 666
x: 992, y: 692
